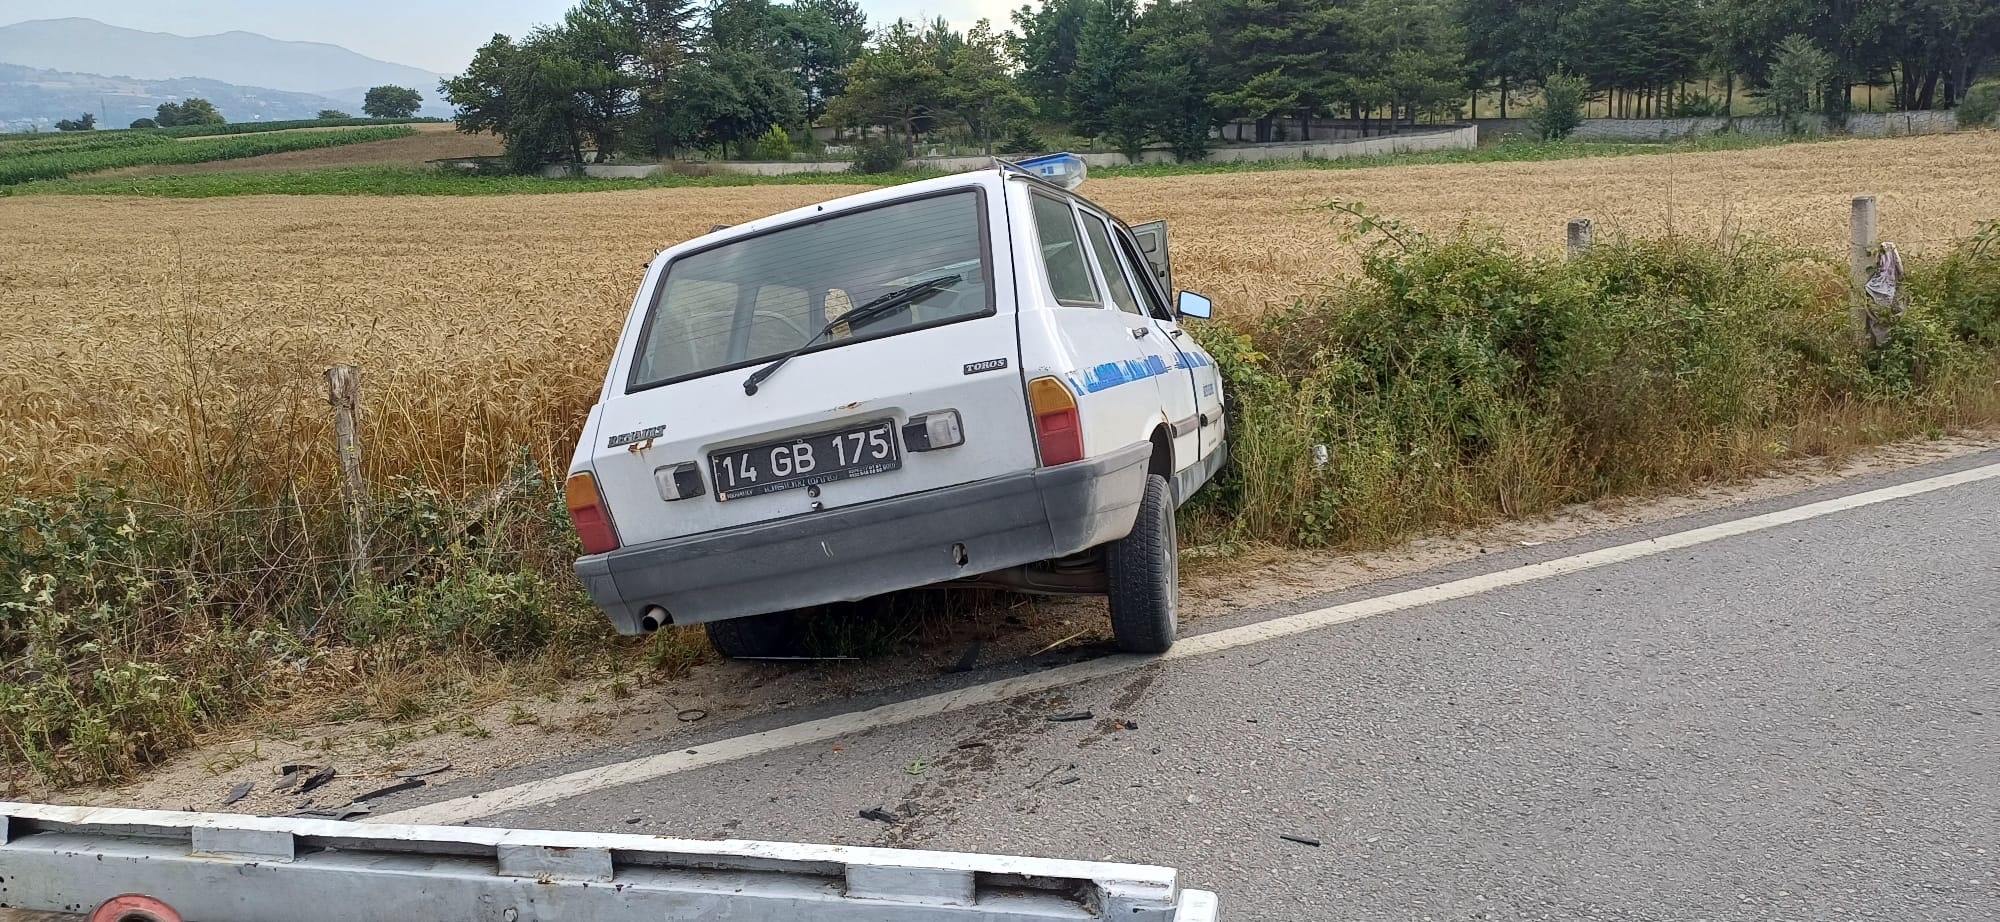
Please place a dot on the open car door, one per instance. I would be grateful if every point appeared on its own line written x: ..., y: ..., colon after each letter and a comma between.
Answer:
x: 1153, y: 245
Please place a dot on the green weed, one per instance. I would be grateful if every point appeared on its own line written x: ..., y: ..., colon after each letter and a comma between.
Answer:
x: 1965, y: 288
x: 197, y: 131
x: 127, y: 625
x: 1461, y: 381
x: 115, y: 645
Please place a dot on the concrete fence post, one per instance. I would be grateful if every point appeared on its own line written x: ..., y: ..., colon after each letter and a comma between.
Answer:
x: 1861, y: 241
x: 1579, y: 238
x: 1860, y: 266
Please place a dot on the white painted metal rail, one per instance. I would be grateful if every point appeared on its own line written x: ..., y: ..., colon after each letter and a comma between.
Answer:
x: 226, y: 867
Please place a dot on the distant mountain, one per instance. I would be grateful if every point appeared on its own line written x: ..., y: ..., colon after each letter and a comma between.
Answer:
x: 31, y: 98
x: 244, y: 59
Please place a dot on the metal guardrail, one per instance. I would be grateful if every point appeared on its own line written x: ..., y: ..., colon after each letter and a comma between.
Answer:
x: 233, y: 868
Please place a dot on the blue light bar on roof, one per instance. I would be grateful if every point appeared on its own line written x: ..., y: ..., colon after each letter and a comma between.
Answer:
x: 1065, y: 169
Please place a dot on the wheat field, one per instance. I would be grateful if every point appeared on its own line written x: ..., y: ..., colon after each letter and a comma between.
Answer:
x: 185, y: 338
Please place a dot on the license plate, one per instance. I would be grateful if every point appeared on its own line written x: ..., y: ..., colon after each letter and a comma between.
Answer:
x: 805, y: 461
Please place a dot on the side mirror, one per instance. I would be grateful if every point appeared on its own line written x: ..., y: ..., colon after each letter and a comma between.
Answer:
x: 1189, y: 304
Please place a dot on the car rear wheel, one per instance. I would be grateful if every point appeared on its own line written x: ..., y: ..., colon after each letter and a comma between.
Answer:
x: 755, y: 636
x: 1144, y: 573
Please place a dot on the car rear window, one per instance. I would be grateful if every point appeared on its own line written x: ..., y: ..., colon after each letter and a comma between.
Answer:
x: 751, y: 300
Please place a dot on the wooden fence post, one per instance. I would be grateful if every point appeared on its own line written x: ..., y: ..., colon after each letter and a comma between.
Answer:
x: 343, y: 391
x: 1579, y: 238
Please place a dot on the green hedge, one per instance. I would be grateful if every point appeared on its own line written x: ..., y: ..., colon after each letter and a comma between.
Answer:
x: 1462, y: 381
x: 64, y: 162
x: 77, y: 141
x: 202, y: 131
x: 195, y: 131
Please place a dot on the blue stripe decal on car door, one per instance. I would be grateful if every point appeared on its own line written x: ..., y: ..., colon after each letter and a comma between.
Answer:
x: 1112, y: 374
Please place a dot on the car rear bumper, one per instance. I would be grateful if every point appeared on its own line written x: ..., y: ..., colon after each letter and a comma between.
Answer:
x: 861, y: 551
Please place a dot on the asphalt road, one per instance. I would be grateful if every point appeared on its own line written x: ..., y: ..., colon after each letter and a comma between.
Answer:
x: 1797, y: 723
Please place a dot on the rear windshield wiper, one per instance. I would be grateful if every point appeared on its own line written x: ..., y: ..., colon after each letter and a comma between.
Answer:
x: 901, y: 297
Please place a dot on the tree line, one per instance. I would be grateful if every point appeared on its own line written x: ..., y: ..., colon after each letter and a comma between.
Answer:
x: 380, y: 102
x: 668, y: 78
x: 1644, y: 55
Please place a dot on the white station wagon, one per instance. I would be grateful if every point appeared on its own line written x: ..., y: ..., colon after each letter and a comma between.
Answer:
x: 975, y: 380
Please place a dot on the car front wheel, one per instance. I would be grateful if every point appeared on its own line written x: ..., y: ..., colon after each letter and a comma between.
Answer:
x: 1144, y: 573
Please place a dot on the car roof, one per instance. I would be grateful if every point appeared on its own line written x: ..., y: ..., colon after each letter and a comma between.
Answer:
x: 972, y: 180
x: 989, y: 178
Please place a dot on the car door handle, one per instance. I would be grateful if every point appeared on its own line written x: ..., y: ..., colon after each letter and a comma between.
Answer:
x: 1141, y: 332
x: 1177, y: 333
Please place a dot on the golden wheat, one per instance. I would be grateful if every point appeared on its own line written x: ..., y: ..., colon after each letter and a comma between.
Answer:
x: 188, y: 337
x: 1249, y: 240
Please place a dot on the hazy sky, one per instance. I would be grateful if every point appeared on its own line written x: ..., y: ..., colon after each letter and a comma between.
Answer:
x: 437, y: 35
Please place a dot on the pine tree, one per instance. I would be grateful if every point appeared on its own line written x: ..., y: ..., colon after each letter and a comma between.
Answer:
x: 982, y: 90
x: 664, y: 35
x: 1105, y: 58
x: 1045, y: 40
x: 1276, y: 58
x: 1170, y: 87
x: 896, y: 84
x: 822, y: 38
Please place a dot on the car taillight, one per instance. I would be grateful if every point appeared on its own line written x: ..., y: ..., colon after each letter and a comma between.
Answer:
x: 587, y: 513
x: 1058, y: 428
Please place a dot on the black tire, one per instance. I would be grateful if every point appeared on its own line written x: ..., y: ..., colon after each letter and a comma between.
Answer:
x: 1144, y: 572
x: 755, y: 636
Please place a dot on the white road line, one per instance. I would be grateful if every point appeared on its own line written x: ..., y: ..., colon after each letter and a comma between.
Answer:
x: 549, y: 790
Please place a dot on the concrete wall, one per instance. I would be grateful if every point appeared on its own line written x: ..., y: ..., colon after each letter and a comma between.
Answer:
x: 1860, y: 125
x: 1493, y: 129
x: 1237, y: 132
x: 1463, y: 137
x: 607, y: 170
x: 1318, y: 129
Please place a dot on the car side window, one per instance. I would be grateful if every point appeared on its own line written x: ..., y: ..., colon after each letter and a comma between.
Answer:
x: 1142, y: 275
x: 1062, y: 252
x: 1107, y: 260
